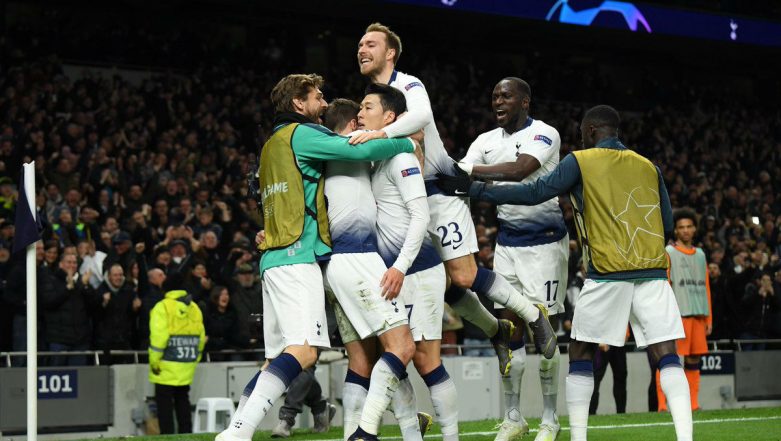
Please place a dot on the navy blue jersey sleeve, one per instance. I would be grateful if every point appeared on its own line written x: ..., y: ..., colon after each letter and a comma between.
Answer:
x: 560, y: 181
x: 665, y: 206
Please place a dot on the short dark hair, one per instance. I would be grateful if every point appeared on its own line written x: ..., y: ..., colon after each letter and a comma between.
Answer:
x: 684, y: 213
x: 390, y: 98
x: 603, y: 115
x: 340, y: 112
x: 522, y: 85
x: 173, y: 281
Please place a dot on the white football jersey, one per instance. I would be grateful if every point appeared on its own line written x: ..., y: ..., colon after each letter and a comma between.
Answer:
x: 352, y: 211
x: 396, y: 181
x: 523, y: 225
x: 420, y: 116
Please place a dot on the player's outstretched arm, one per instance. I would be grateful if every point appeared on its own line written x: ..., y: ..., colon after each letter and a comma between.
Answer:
x: 666, y: 207
x: 314, y: 142
x: 528, y: 160
x: 561, y: 180
x: 516, y: 171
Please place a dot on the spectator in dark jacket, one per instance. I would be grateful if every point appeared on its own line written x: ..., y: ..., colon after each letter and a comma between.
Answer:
x: 246, y: 298
x: 775, y: 317
x: 725, y: 310
x: 66, y: 313
x: 221, y: 323
x: 15, y: 295
x: 760, y: 304
x: 118, y: 305
x: 121, y: 252
x: 197, y: 282
x: 150, y: 291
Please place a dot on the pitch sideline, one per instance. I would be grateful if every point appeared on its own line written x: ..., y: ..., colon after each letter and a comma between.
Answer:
x: 607, y: 427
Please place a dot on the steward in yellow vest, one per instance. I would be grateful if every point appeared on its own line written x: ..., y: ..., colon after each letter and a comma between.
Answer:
x: 176, y: 341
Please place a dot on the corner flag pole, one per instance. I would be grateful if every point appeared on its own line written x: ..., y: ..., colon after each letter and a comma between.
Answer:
x: 32, y: 312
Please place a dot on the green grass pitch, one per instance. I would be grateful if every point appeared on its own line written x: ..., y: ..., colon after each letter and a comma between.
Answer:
x: 762, y: 424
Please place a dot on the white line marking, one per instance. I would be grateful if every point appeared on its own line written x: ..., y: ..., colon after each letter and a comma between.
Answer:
x: 608, y: 427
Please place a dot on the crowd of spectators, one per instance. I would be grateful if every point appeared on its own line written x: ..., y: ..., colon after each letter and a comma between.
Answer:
x: 138, y: 180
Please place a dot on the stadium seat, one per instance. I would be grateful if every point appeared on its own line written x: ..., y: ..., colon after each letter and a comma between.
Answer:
x: 212, y: 414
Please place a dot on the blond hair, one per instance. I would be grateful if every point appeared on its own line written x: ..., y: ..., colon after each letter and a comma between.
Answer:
x: 293, y: 86
x: 392, y: 38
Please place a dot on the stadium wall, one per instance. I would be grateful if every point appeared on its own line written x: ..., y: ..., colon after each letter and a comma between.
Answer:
x: 475, y: 378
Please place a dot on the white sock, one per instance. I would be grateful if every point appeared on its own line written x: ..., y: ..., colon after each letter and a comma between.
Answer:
x: 676, y: 390
x: 268, y: 389
x: 549, y: 380
x: 353, y: 399
x: 471, y: 310
x: 384, y: 382
x: 498, y: 289
x: 405, y: 409
x: 243, y: 398
x: 579, y: 390
x: 511, y: 386
x: 242, y: 401
x: 444, y: 397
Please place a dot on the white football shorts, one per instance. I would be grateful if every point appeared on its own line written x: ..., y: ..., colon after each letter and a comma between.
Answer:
x: 451, y: 227
x: 538, y: 272
x: 423, y: 294
x: 294, y: 308
x: 354, y: 279
x: 605, y: 308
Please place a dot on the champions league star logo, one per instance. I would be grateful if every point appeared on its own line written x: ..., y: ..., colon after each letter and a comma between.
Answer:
x: 634, y: 219
x: 632, y: 15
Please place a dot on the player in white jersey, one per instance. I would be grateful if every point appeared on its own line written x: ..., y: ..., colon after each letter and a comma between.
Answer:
x: 354, y: 265
x: 450, y: 224
x: 358, y: 278
x: 532, y: 245
x: 402, y: 217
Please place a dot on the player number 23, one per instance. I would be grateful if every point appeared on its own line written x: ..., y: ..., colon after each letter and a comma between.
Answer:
x: 456, y: 236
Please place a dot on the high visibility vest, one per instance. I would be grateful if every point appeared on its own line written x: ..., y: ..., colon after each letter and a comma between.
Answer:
x: 689, y: 280
x: 282, y: 193
x: 620, y: 223
x: 176, y: 340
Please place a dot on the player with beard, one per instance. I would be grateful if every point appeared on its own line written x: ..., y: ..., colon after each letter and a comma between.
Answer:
x: 297, y: 237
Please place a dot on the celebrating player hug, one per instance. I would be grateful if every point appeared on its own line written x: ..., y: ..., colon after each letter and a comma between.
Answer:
x: 476, y: 220
x: 395, y: 232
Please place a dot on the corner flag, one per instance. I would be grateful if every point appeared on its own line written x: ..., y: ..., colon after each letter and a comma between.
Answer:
x: 27, y: 225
